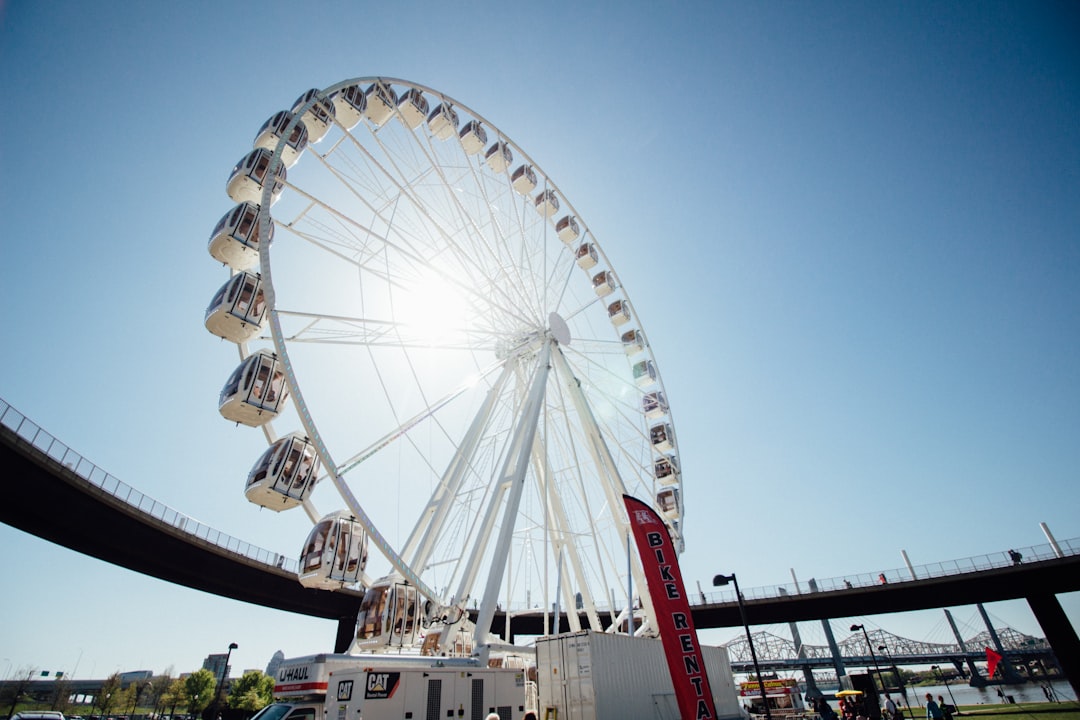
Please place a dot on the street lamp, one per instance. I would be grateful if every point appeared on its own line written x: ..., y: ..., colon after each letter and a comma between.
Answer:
x: 945, y: 680
x: 870, y: 647
x: 221, y: 685
x: 718, y: 581
x: 899, y: 677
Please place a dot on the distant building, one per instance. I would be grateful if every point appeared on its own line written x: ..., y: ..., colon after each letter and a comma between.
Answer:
x: 275, y: 663
x: 215, y: 663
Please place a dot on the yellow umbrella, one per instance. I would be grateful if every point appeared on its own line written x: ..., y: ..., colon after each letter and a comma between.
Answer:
x: 845, y: 693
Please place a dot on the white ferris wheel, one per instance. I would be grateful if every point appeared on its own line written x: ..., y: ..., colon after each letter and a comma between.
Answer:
x: 449, y: 349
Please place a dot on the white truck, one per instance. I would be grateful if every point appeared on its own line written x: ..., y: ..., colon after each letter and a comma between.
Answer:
x: 380, y: 687
x: 432, y: 693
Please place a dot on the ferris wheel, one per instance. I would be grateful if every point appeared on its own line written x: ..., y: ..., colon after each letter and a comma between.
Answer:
x: 460, y: 368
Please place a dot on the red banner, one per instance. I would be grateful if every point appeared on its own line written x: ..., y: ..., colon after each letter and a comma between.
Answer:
x: 992, y: 659
x: 661, y: 564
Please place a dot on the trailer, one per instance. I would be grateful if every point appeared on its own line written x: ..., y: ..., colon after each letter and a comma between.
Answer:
x: 782, y: 695
x: 602, y: 676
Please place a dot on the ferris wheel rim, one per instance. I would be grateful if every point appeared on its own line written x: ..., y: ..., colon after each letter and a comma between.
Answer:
x: 280, y: 344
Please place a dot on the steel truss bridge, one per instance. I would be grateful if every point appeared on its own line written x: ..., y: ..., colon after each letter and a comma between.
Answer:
x: 779, y: 653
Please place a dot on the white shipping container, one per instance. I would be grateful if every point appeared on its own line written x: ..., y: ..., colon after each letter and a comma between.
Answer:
x: 601, y: 676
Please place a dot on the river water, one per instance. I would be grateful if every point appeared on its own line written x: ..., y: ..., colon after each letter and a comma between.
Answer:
x: 966, y: 695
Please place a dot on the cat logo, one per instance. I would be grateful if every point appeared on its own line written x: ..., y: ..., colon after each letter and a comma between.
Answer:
x: 344, y: 690
x: 381, y: 685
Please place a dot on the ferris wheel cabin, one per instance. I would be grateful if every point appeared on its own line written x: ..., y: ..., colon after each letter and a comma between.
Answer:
x: 667, y: 500
x: 235, y: 239
x: 661, y: 437
x: 567, y: 229
x: 547, y: 203
x: 390, y: 615
x: 443, y: 121
x: 248, y: 176
x: 349, y: 105
x: 498, y: 157
x: 284, y: 475
x: 413, y: 107
x: 274, y: 129
x: 238, y: 310
x: 319, y: 117
x: 334, y: 553
x: 603, y: 283
x: 666, y: 470
x: 654, y: 405
x: 256, y: 390
x: 587, y: 256
x: 381, y: 101
x: 618, y: 312
x: 473, y: 137
x: 633, y: 342
x: 644, y: 373
x: 523, y: 179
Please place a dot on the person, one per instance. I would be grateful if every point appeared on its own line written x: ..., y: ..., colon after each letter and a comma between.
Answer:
x: 822, y: 708
x: 1016, y: 557
x: 890, y: 708
x: 946, y: 709
x: 881, y: 579
x: 933, y: 710
x: 848, y: 585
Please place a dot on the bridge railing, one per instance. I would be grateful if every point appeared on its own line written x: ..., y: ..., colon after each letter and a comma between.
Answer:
x: 45, y: 443
x: 947, y: 568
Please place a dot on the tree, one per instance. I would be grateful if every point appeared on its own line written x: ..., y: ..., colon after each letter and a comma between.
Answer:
x: 62, y: 695
x: 110, y: 693
x: 174, y: 696
x: 253, y: 691
x: 158, y: 687
x: 19, y: 686
x: 200, y: 686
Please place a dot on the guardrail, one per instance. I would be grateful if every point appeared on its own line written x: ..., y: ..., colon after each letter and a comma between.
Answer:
x: 947, y: 568
x: 42, y: 441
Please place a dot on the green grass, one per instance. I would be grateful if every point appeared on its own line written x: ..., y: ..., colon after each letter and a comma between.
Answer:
x: 1040, y: 710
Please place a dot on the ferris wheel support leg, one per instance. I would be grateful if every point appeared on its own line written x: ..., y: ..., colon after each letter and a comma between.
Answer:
x: 612, y: 482
x: 421, y: 541
x: 558, y: 531
x: 512, y: 482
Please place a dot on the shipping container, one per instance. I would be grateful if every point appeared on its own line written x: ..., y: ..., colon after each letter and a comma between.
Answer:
x: 602, y: 676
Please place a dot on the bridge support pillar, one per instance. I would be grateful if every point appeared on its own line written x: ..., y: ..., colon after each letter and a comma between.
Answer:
x: 1060, y: 634
x: 346, y: 631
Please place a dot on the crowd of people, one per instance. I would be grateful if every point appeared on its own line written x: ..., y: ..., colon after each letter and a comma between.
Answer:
x: 857, y: 707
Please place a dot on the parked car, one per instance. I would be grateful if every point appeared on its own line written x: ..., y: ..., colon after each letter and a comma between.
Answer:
x: 38, y: 715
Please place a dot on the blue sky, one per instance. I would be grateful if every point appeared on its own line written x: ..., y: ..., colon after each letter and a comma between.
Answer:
x: 851, y: 229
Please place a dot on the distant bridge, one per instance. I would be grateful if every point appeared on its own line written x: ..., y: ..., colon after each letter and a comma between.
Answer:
x: 151, y: 538
x: 779, y: 653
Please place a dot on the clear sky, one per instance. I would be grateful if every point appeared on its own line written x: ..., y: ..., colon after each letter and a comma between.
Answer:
x: 851, y: 230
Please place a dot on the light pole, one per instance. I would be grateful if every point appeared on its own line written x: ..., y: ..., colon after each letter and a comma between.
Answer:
x: 718, y: 581
x: 945, y: 680
x: 899, y: 677
x: 873, y: 657
x: 221, y: 685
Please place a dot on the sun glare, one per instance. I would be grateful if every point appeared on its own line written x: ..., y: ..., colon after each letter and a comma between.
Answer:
x: 431, y: 308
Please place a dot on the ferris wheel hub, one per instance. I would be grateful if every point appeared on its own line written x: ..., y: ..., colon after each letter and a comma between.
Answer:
x: 559, y: 329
